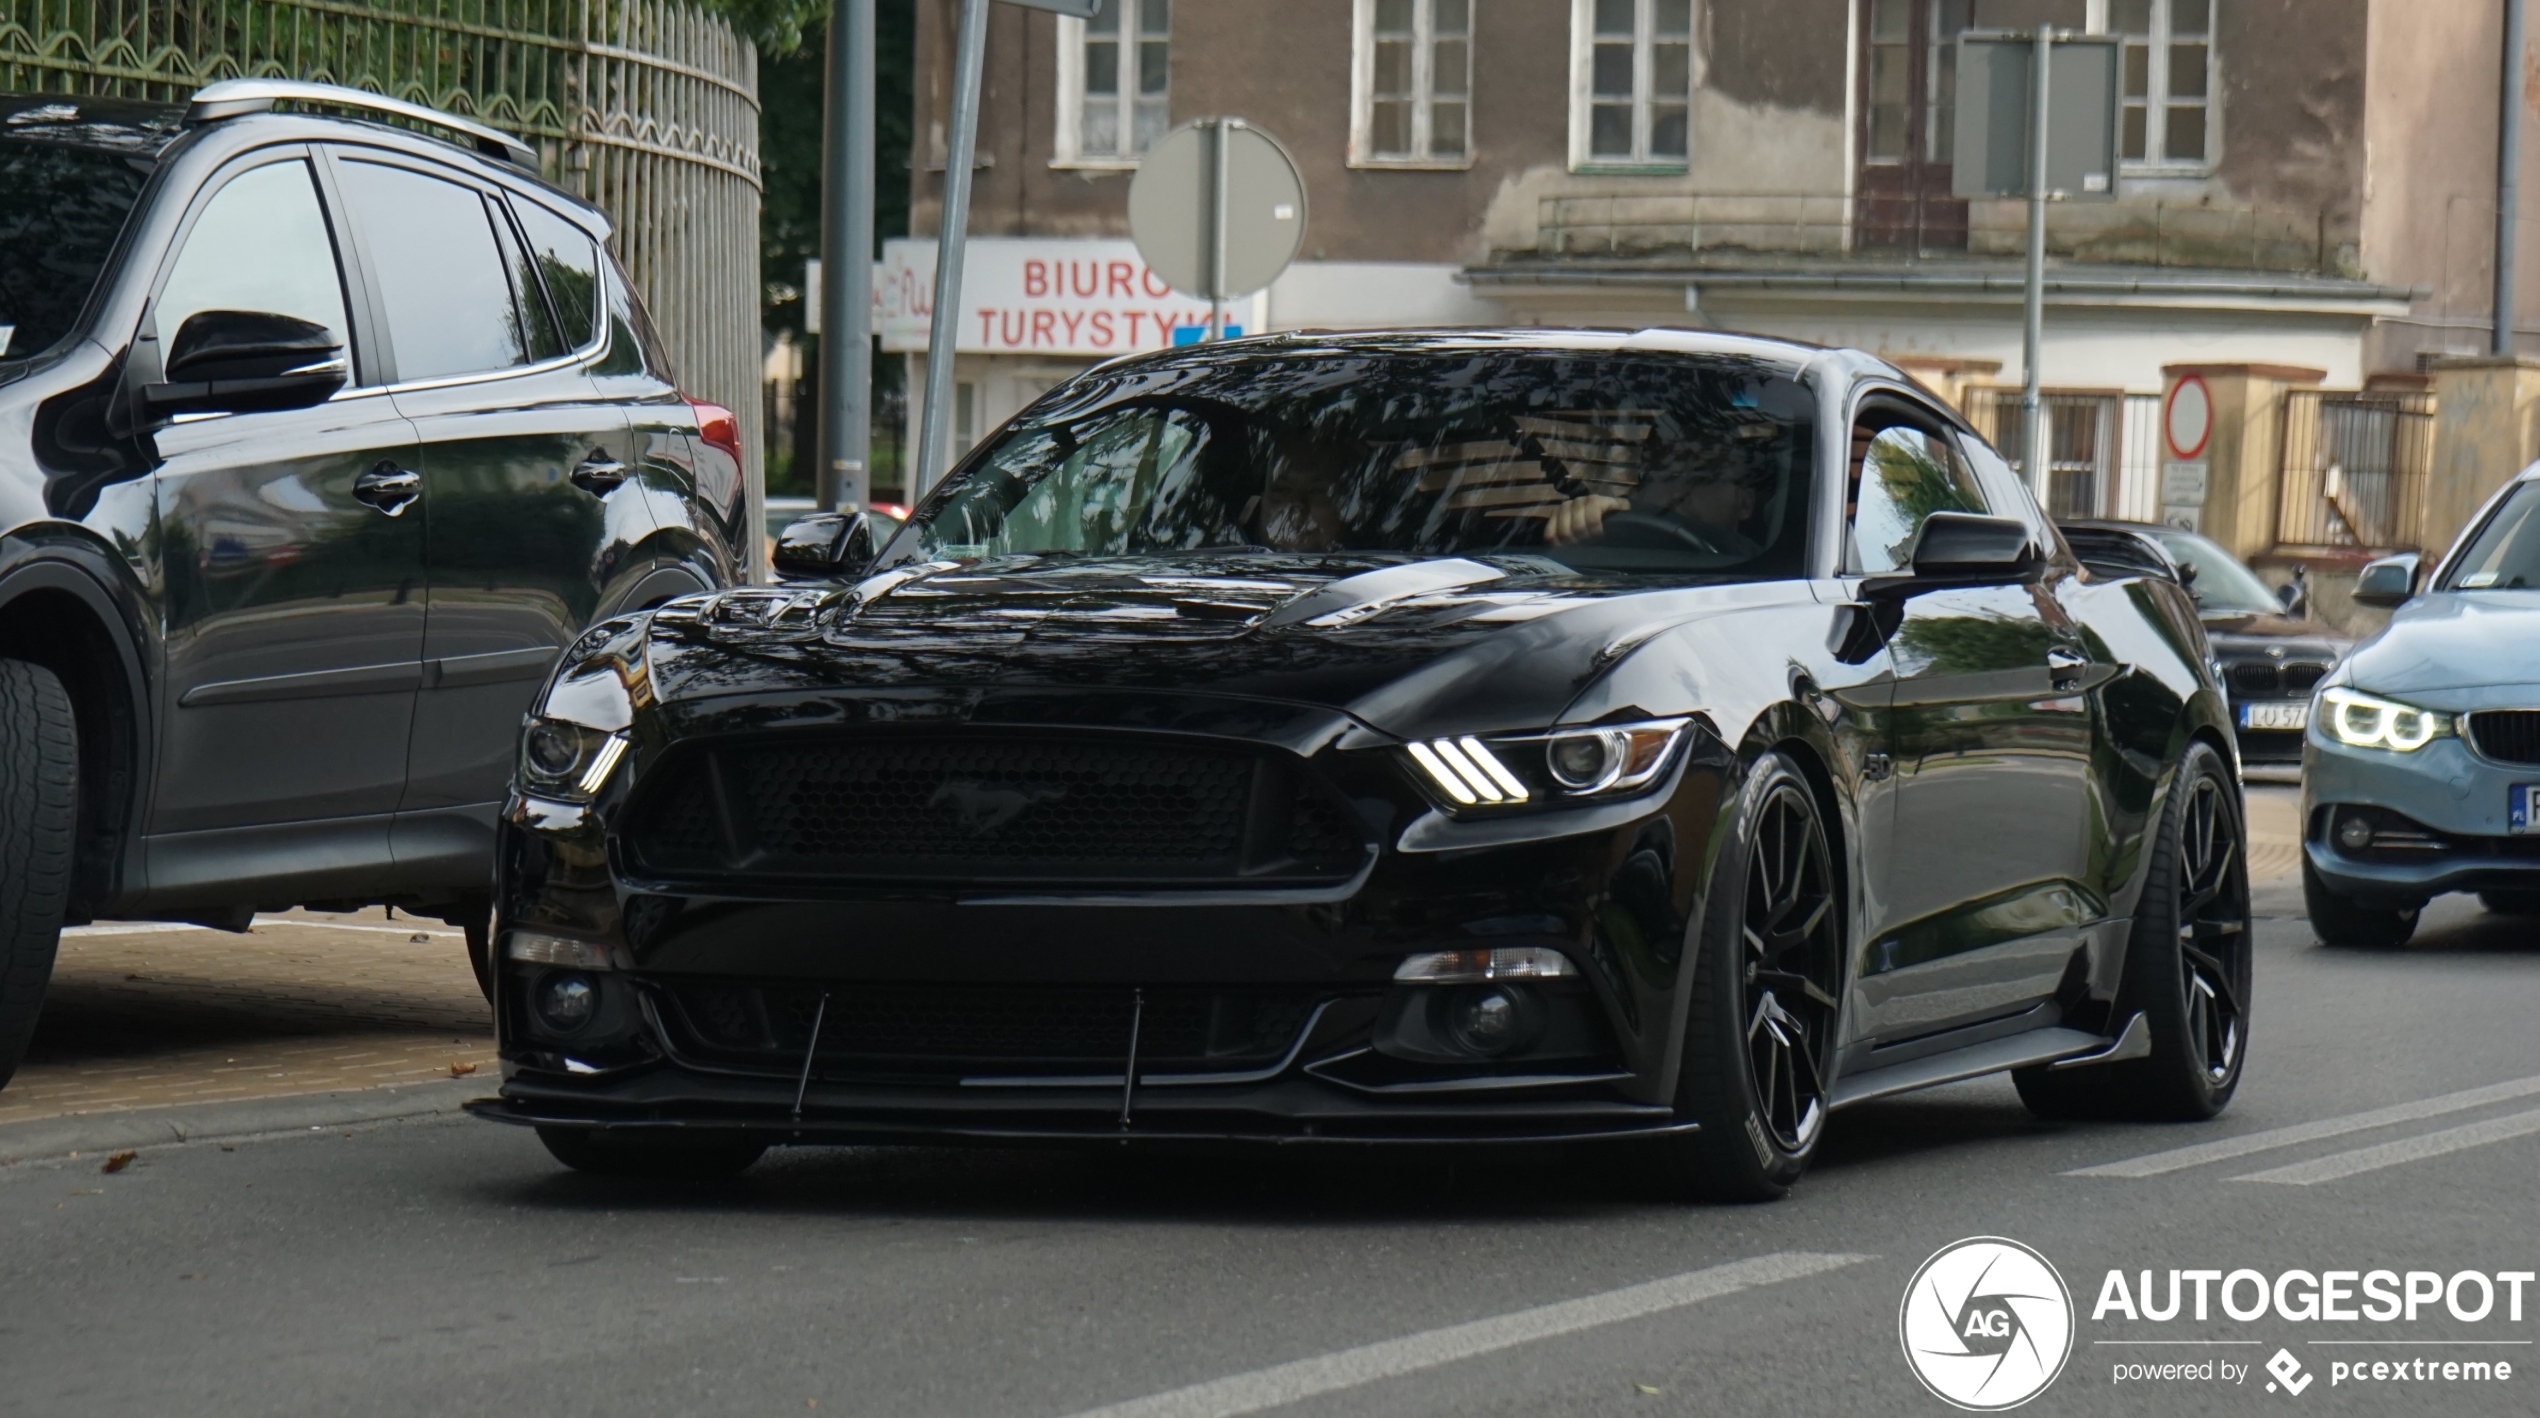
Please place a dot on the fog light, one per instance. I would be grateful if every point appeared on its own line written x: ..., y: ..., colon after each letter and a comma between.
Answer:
x: 2354, y: 831
x: 1493, y: 1020
x: 566, y: 1002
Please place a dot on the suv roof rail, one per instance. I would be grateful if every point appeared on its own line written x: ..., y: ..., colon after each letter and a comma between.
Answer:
x: 231, y: 98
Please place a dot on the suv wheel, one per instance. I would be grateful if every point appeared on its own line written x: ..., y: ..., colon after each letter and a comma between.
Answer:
x: 2511, y: 903
x: 2344, y: 921
x: 39, y: 810
x: 2187, y: 969
x: 664, y: 1156
x: 1758, y: 1038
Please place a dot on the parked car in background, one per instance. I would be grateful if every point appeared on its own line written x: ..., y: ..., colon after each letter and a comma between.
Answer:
x: 2423, y: 761
x: 2268, y: 652
x: 319, y: 438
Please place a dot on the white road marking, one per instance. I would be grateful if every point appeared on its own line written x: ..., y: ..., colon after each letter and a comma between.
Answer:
x: 2224, y: 1149
x: 156, y: 927
x: 1309, y: 1378
x: 2406, y: 1149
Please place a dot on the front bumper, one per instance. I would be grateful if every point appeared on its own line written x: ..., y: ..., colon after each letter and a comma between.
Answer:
x: 2457, y: 796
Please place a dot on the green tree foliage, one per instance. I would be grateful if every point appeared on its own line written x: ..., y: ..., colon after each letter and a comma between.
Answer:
x: 790, y: 97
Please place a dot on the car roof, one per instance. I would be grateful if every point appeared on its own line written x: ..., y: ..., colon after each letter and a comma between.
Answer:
x: 1788, y: 356
x: 116, y: 124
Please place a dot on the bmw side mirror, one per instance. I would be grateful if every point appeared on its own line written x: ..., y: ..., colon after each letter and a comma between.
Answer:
x: 2295, y: 594
x: 1963, y: 545
x: 825, y: 546
x: 246, y: 361
x: 2387, y: 582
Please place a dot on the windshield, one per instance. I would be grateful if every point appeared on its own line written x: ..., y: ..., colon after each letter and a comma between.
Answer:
x: 2506, y: 554
x: 2220, y: 584
x: 1645, y: 464
x: 60, y: 209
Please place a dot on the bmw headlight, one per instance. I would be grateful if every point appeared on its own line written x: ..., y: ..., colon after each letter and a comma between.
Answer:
x: 2368, y: 721
x: 567, y: 761
x: 1531, y: 770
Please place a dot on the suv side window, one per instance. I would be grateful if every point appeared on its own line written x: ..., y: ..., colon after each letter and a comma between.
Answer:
x: 568, y: 261
x: 439, y: 272
x: 261, y: 244
x: 1900, y: 474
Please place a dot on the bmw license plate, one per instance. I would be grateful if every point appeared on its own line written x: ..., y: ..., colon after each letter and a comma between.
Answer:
x: 2518, y: 807
x: 2295, y: 715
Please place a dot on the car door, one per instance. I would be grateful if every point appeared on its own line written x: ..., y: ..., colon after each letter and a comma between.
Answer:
x: 1983, y: 905
x: 291, y: 544
x: 532, y: 515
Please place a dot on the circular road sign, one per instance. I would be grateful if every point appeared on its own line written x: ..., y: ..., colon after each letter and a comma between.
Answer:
x: 2188, y: 417
x: 1174, y: 201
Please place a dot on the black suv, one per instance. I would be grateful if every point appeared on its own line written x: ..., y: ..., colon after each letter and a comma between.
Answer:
x: 319, y: 438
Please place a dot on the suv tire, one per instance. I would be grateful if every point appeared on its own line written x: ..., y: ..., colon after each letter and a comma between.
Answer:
x: 2512, y: 902
x: 2343, y: 921
x: 39, y: 814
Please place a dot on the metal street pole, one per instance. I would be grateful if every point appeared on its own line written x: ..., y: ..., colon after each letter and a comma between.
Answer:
x: 935, y: 429
x: 2033, y: 337
x: 2508, y: 164
x: 846, y: 258
x: 1217, y: 227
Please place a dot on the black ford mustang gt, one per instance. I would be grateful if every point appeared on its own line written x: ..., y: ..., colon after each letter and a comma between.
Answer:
x: 1384, y: 738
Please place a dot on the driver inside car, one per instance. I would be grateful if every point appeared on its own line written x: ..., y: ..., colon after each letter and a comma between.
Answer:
x: 1706, y: 495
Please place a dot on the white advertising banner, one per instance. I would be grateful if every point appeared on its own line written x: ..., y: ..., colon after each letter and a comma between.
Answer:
x: 1044, y: 296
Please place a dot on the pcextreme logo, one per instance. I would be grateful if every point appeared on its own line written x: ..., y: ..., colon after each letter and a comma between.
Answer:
x: 1986, y: 1324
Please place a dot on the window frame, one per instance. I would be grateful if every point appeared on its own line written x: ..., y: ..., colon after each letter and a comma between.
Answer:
x: 1362, y: 90
x: 1583, y: 158
x: 365, y: 349
x: 1067, y: 135
x: 2156, y: 103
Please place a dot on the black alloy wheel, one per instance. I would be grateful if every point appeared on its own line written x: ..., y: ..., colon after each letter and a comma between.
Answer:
x: 1759, y: 1033
x: 2188, y: 968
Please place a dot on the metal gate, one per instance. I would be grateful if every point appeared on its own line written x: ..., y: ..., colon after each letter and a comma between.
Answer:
x: 2355, y: 469
x: 647, y: 109
x: 2100, y: 447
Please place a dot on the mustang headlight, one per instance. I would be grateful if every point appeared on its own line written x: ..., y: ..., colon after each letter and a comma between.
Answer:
x: 1611, y: 760
x: 2369, y: 721
x: 567, y: 761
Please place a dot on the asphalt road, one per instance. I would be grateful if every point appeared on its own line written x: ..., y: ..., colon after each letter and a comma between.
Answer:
x: 447, y: 1266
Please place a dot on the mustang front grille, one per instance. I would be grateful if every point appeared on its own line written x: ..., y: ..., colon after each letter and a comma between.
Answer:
x: 990, y: 810
x: 2507, y: 735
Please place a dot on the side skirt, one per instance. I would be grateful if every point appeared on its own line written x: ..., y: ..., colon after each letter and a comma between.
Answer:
x: 2059, y: 1046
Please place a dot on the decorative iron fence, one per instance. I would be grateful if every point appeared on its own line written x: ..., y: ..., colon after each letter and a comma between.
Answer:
x: 645, y: 108
x: 2355, y: 468
x: 2102, y: 449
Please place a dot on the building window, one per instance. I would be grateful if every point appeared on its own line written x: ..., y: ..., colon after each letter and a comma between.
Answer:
x: 2170, y: 77
x: 1114, y: 71
x: 1411, y: 79
x: 1631, y: 83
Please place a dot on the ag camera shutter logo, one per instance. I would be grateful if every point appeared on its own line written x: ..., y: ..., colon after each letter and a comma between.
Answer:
x: 1986, y: 1324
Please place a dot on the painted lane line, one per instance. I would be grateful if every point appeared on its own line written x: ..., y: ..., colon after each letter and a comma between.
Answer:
x: 1349, y: 1368
x: 2406, y: 1149
x: 160, y: 927
x: 2224, y: 1149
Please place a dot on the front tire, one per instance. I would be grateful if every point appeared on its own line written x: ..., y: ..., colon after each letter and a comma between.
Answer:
x: 2188, y: 964
x: 1759, y: 1034
x: 666, y: 1156
x: 39, y: 815
x: 2343, y: 921
x: 2511, y: 903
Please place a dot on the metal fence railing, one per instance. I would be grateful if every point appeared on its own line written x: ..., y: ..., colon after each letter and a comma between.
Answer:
x: 1909, y: 227
x: 2102, y: 448
x: 2354, y: 469
x: 645, y: 108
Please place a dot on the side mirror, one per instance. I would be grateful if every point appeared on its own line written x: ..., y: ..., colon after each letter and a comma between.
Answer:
x: 825, y: 546
x: 1963, y: 544
x: 2387, y: 582
x: 2295, y: 594
x: 244, y: 361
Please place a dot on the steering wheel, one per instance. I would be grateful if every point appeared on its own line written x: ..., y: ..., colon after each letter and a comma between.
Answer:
x: 1645, y: 531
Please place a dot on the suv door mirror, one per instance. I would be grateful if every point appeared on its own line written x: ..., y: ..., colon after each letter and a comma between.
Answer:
x: 243, y: 361
x: 825, y: 545
x: 1963, y: 545
x: 2387, y: 582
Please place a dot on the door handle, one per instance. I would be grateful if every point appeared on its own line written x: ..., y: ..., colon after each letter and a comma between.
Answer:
x: 599, y: 474
x: 2064, y: 667
x: 388, y: 487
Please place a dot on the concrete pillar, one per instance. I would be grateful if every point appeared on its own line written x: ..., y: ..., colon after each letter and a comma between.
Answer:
x: 1948, y: 377
x: 2486, y: 429
x: 2243, y: 450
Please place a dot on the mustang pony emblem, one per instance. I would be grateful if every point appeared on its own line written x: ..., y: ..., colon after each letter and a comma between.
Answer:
x: 982, y: 809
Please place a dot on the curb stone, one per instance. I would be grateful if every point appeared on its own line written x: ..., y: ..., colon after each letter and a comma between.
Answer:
x: 45, y: 1138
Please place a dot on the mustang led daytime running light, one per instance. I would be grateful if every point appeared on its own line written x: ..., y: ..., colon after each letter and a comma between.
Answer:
x: 1475, y: 967
x: 2369, y: 721
x: 559, y: 759
x: 603, y: 764
x: 1467, y: 771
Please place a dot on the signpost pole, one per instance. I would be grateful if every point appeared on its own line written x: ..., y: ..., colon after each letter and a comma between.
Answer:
x: 935, y: 428
x: 2033, y: 335
x: 1217, y: 227
x: 846, y: 251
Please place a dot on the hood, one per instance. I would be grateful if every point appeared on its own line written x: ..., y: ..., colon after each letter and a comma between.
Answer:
x: 2255, y: 631
x: 2452, y: 640
x: 1383, y: 638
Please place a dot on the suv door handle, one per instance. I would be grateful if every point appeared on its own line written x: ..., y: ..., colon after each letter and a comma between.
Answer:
x: 599, y: 474
x: 388, y: 487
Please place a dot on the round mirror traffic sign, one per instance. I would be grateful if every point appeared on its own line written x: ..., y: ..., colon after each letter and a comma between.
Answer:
x: 1174, y: 201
